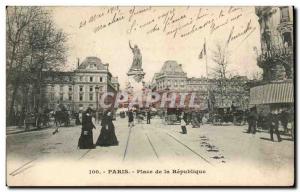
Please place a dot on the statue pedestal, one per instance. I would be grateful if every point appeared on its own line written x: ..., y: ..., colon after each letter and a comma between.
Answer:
x: 137, y: 74
x: 135, y: 87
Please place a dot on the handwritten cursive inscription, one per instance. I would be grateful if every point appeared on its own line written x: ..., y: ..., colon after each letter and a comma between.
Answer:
x: 235, y: 35
x: 175, y: 22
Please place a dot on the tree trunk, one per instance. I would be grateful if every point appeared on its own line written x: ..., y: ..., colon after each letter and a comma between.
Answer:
x: 11, y: 108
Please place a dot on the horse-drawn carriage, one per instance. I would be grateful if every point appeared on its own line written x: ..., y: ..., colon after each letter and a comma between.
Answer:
x: 62, y: 118
x: 227, y: 115
x: 222, y: 115
x: 172, y: 116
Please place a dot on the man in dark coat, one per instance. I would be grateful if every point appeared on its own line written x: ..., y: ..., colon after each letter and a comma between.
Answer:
x: 252, y: 119
x: 86, y: 137
x: 148, y: 116
x: 130, y: 118
x: 273, y: 123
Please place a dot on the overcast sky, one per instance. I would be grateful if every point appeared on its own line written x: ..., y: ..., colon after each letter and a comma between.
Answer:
x: 153, y: 30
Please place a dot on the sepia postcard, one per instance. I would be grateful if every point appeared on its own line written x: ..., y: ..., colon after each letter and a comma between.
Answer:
x: 150, y: 96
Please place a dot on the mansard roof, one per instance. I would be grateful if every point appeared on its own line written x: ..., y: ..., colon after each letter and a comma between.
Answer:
x: 90, y: 63
x: 171, y: 67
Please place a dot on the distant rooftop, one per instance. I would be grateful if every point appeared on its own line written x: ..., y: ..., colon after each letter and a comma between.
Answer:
x: 171, y: 67
x: 94, y: 62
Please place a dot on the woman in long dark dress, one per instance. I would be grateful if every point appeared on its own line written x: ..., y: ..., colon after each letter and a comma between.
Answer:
x: 86, y: 137
x: 107, y: 135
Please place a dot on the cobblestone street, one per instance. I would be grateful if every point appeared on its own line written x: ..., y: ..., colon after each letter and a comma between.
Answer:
x: 154, y: 145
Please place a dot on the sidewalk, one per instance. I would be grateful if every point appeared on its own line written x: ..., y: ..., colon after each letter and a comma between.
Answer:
x: 21, y: 129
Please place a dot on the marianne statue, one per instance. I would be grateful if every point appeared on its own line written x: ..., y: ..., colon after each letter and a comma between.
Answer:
x: 137, y: 58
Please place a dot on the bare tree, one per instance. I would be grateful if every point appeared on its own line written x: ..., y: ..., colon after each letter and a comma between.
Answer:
x: 17, y: 21
x: 48, y: 51
x: 221, y: 57
x: 33, y: 43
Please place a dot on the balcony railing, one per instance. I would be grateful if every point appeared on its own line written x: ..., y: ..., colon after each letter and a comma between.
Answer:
x: 276, y: 53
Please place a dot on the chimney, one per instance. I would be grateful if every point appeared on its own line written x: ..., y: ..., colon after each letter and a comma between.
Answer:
x: 78, y: 62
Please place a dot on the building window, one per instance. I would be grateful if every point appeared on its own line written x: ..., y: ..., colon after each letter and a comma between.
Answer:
x: 52, y: 87
x: 91, y: 96
x: 70, y: 88
x: 81, y: 88
x: 61, y: 96
x: 91, y: 79
x: 61, y: 88
x: 80, y: 97
x: 80, y: 78
x: 70, y: 97
x: 70, y: 78
x: 91, y: 88
x: 101, y: 79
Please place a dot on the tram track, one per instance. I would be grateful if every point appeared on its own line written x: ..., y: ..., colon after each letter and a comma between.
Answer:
x: 23, y: 168
x: 176, y: 140
x: 127, y: 144
x: 152, y: 146
x: 187, y: 147
x: 148, y: 139
x: 84, y: 154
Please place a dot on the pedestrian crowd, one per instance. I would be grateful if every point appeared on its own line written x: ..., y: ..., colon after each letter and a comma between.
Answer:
x: 271, y: 121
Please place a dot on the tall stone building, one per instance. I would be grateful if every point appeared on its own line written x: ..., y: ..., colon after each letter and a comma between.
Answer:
x: 276, y: 29
x: 172, y: 78
x: 276, y: 90
x: 80, y: 88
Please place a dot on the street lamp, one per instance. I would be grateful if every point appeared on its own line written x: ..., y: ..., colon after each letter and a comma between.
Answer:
x: 97, y: 92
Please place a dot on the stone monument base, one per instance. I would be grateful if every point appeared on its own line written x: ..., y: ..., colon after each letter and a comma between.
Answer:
x: 135, y: 87
x: 137, y: 74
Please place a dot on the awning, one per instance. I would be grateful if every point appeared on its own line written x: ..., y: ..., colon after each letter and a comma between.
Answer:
x: 279, y: 92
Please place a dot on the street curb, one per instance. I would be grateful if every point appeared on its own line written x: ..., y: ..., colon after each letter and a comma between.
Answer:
x: 36, y: 129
